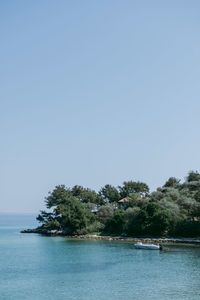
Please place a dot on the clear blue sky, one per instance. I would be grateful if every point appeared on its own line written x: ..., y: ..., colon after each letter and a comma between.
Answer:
x: 96, y: 92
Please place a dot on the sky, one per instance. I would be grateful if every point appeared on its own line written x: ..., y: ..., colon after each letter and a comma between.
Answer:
x: 96, y: 92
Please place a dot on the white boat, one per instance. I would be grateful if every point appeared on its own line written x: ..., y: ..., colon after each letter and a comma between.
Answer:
x: 148, y: 246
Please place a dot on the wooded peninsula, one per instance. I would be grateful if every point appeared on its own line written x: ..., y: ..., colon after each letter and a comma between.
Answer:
x: 173, y: 210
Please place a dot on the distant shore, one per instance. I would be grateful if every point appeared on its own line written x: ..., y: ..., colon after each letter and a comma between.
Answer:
x: 115, y: 238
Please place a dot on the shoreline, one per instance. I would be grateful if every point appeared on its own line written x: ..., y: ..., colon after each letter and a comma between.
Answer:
x: 115, y: 238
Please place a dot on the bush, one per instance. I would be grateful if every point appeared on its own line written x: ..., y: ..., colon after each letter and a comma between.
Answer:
x: 94, y: 227
x: 117, y: 223
x: 188, y: 229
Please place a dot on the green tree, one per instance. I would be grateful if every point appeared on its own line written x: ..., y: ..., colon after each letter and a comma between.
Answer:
x: 131, y: 187
x: 73, y: 215
x: 193, y: 176
x: 105, y: 213
x: 86, y: 195
x: 160, y: 222
x: 109, y: 193
x: 138, y: 223
x: 117, y: 223
x: 172, y: 182
x: 44, y: 216
x: 197, y: 196
x: 58, y: 196
x: 68, y: 212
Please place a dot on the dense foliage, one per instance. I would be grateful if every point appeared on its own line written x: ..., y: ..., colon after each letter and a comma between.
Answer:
x: 172, y: 210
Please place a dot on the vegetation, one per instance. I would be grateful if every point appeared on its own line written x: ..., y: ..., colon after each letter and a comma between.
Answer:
x: 172, y: 210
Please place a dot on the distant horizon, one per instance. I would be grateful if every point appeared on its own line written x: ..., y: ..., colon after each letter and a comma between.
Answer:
x: 18, y: 213
x: 43, y: 206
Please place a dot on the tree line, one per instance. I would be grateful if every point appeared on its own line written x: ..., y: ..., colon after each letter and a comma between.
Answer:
x: 130, y: 209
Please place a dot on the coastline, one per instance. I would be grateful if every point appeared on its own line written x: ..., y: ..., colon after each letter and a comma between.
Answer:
x: 115, y: 238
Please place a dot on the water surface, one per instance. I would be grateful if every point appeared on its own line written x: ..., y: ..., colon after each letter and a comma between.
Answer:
x: 39, y: 267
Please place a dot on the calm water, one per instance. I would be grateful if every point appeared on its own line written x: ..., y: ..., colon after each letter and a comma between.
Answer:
x: 38, y: 267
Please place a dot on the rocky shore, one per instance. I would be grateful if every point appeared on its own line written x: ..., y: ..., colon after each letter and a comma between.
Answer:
x: 114, y: 238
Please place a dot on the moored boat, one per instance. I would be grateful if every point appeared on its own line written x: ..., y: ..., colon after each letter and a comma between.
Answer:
x: 148, y: 246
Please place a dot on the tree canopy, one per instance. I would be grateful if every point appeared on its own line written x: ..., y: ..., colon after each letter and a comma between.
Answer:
x: 173, y: 209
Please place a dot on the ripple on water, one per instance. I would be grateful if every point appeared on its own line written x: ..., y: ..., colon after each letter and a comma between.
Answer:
x: 39, y: 267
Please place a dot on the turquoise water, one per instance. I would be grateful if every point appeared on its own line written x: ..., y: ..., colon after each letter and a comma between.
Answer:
x: 38, y: 267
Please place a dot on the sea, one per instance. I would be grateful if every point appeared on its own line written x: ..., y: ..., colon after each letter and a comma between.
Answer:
x: 36, y: 267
